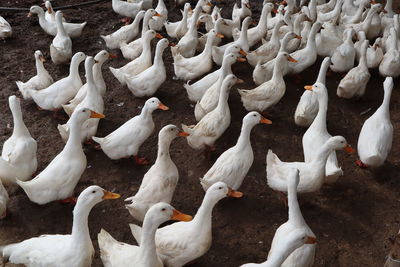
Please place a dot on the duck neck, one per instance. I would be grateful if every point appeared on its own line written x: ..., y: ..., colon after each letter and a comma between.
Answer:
x: 40, y: 70
x: 145, y: 25
x: 320, y: 119
x: 386, y: 100
x: 322, y: 71
x: 184, y: 18
x: 210, y: 25
x: 243, y: 34
x: 226, y: 68
x: 74, y: 68
x: 193, y: 22
x: 311, y: 45
x: 80, y: 229
x: 275, y: 33
x: 322, y: 156
x: 163, y: 149
x: 148, y: 244
x: 136, y: 22
x: 295, y: 215
x: 158, y: 58
x: 262, y: 23
x: 244, y: 137
x: 223, y: 99
x: 284, y: 44
x: 98, y: 74
x: 358, y: 15
x: 60, y: 28
x: 389, y: 8
x: 74, y: 140
x: 19, y: 125
x: 160, y: 6
x: 146, y: 48
x: 277, y: 73
x: 331, y: 4
x: 146, y: 113
x: 297, y: 25
x: 363, y: 59
x: 202, y: 219
x: 209, y: 43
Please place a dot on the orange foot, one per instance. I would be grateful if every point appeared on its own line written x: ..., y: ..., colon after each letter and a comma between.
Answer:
x: 140, y: 161
x: 97, y: 147
x: 126, y: 20
x: 68, y: 200
x: 361, y: 164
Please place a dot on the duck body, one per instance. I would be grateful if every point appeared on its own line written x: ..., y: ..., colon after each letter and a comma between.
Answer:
x: 127, y: 139
x: 75, y: 249
x: 158, y: 184
x: 390, y: 64
x: 41, y: 80
x: 147, y: 82
x: 233, y: 165
x: 18, y: 158
x: 61, y: 47
x: 58, y: 180
x: 157, y: 23
x: 124, y: 34
x: 178, y: 29
x: 58, y: 93
x: 344, y: 55
x: 241, y: 12
x: 375, y: 54
x: 5, y: 28
x: 376, y: 136
x: 126, y: 9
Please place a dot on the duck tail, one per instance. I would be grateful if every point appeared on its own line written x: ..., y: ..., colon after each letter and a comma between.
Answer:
x: 118, y: 74
x: 187, y: 129
x: 205, y: 184
x: 24, y: 91
x: 136, y: 232
x: 98, y: 140
x: 106, y: 241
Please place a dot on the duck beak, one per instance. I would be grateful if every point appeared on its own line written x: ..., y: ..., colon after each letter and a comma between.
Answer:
x: 349, y: 149
x: 248, y: 5
x: 242, y: 52
x: 159, y: 36
x: 311, y: 240
x: 291, y: 59
x: 30, y: 14
x: 179, y: 216
x: 220, y: 35
x: 308, y: 87
x: 239, y: 81
x: 162, y: 106
x: 94, y: 114
x: 265, y: 121
x: 241, y: 59
x: 109, y: 195
x: 209, y: 4
x: 233, y: 193
x: 49, y: 10
x: 283, y: 3
x: 112, y: 56
x: 298, y: 37
x: 41, y: 58
x: 171, y: 44
x: 275, y: 11
x: 157, y: 15
x: 183, y: 134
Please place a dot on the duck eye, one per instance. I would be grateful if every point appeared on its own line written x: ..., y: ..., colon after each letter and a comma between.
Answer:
x: 94, y: 191
x: 220, y: 187
x: 163, y: 209
x: 254, y: 115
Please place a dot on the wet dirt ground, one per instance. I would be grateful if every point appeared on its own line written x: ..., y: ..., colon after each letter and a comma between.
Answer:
x: 352, y: 218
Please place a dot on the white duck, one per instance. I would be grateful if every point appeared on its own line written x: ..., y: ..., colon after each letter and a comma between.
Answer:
x: 317, y: 134
x: 4, y: 199
x: 375, y: 54
x: 178, y: 29
x: 213, y: 124
x: 307, y: 56
x: 268, y: 50
x: 157, y: 22
x: 18, y: 157
x: 41, y: 80
x: 147, y: 82
x: 263, y: 72
x: 5, y: 28
x: 60, y: 92
x: 344, y: 55
x: 269, y: 93
x: 217, y: 28
x: 376, y: 136
x: 74, y: 30
x: 196, y: 90
x: 323, y: 17
x: 307, y: 108
x: 159, y: 182
x: 218, y: 51
x: 305, y: 254
x: 327, y: 7
x: 135, y: 48
x: 58, y: 180
x: 312, y: 173
x: 356, y: 80
x: 50, y: 15
x: 75, y: 249
x: 93, y: 101
x: 227, y: 28
x: 357, y: 45
x: 61, y: 47
x: 126, y: 140
x: 127, y: 9
x: 125, y: 34
x: 390, y: 64
x: 117, y: 254
x: 139, y: 64
x: 366, y: 24
x: 100, y: 58
x: 329, y: 38
x: 209, y: 100
x: 233, y: 165
x: 193, y: 67
x: 243, y: 11
x: 182, y: 242
x: 255, y: 34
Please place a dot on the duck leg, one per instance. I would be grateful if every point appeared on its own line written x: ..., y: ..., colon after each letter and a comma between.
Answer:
x: 361, y: 164
x: 68, y: 200
x: 282, y: 197
x: 208, y: 151
x: 126, y: 20
x: 140, y: 161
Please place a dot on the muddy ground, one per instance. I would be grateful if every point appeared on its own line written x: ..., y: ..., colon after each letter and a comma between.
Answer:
x: 352, y: 218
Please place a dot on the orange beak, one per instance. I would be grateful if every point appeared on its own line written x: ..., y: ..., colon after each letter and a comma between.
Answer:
x: 183, y: 134
x: 171, y: 44
x: 372, y: 2
x: 298, y: 37
x: 291, y: 59
x: 94, y: 114
x: 157, y: 15
x: 159, y: 36
x: 220, y: 35
x: 275, y: 11
x: 109, y: 195
x: 179, y: 216
x: 209, y: 4
x: 112, y: 56
x: 283, y: 3
x: 248, y: 5
x: 233, y: 193
x: 349, y: 149
x: 239, y: 81
x: 265, y: 121
x: 30, y: 14
x: 49, y: 10
x: 308, y: 87
x: 311, y: 240
x: 41, y: 58
x: 241, y: 59
x: 162, y: 106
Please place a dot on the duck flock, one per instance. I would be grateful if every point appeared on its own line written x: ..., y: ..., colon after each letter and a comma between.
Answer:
x: 352, y: 37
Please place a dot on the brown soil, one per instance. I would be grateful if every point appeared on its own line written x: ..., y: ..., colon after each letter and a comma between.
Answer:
x: 352, y: 218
